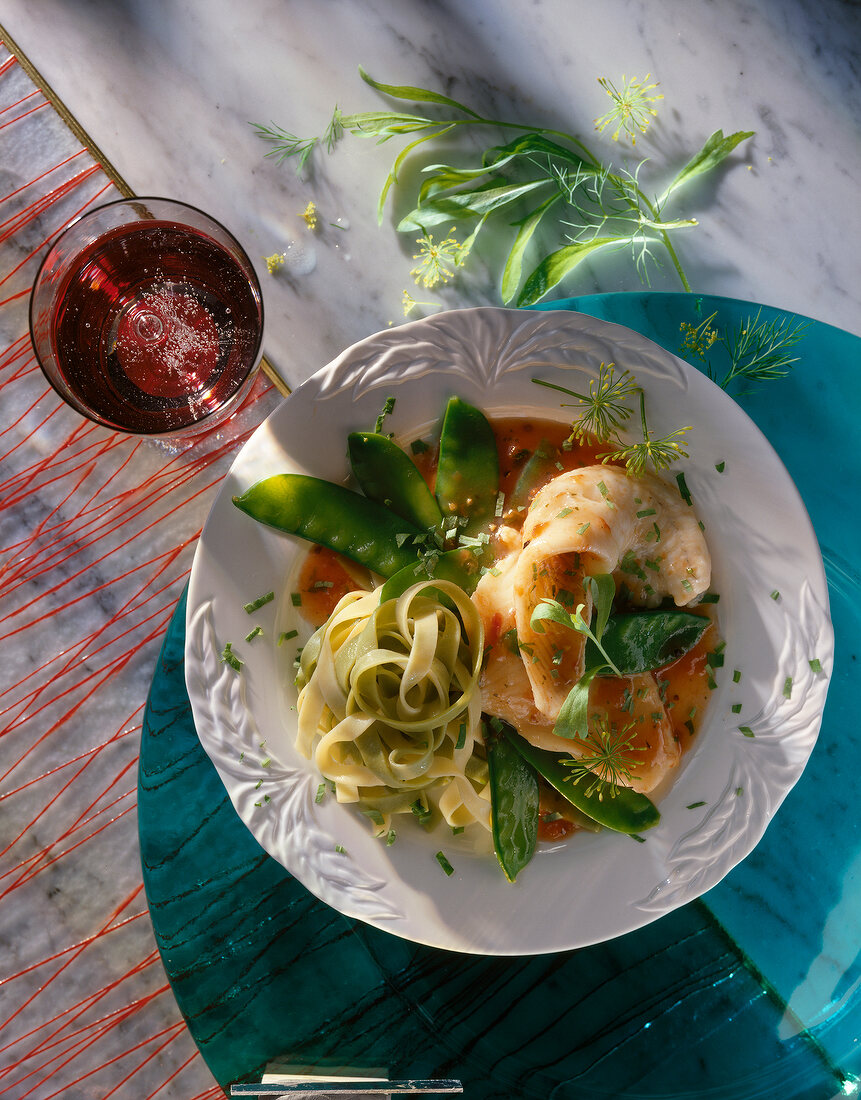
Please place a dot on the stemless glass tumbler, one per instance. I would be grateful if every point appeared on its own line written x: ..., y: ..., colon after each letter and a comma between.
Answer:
x: 146, y: 316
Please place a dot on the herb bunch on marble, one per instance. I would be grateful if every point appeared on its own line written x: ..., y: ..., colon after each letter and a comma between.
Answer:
x: 540, y: 177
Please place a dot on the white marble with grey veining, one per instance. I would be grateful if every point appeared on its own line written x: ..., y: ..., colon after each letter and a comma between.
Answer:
x: 167, y: 89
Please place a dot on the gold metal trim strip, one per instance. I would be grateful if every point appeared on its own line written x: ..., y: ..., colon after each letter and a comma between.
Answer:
x: 110, y: 171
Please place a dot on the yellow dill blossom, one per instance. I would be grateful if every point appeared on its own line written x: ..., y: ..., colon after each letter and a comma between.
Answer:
x: 310, y: 214
x: 438, y: 260
x: 274, y: 261
x: 409, y: 303
x: 698, y: 339
x: 631, y: 110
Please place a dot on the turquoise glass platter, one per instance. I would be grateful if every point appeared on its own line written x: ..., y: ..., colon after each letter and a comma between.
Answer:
x: 752, y: 991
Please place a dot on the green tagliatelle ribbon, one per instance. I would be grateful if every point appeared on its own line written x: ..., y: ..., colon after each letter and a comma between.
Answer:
x: 390, y: 706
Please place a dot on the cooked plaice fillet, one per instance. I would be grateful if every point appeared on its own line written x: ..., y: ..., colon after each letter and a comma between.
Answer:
x: 593, y: 520
x: 599, y: 519
x: 631, y: 706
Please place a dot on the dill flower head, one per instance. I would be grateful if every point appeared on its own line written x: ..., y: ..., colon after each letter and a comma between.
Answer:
x: 632, y: 106
x: 273, y: 262
x: 438, y: 260
x: 698, y: 339
x: 310, y: 214
x: 607, y: 757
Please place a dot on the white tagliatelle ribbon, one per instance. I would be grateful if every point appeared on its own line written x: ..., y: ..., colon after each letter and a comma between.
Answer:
x: 390, y: 707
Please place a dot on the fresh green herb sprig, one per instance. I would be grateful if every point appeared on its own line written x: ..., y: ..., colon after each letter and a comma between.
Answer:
x: 757, y: 350
x: 608, y: 757
x: 603, y: 412
x: 537, y: 170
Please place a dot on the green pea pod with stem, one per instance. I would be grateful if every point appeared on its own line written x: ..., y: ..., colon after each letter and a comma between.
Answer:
x: 618, y: 808
x: 467, y: 480
x: 643, y: 641
x: 388, y: 475
x: 332, y: 516
x: 514, y: 804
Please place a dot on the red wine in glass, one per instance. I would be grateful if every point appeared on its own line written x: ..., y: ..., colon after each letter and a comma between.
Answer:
x: 152, y: 327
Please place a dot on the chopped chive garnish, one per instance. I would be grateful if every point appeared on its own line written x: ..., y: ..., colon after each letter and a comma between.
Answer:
x: 736, y: 708
x: 319, y: 586
x: 787, y: 688
x: 500, y: 504
x: 259, y: 602
x: 444, y: 863
x: 695, y: 805
x: 720, y: 467
x: 252, y: 634
x: 739, y: 791
x: 461, y: 736
x: 686, y: 584
x: 456, y: 830
x: 815, y: 664
x: 321, y: 793
x: 564, y: 512
x: 639, y: 839
x: 296, y: 599
x: 418, y: 446
x: 689, y: 726
x: 646, y: 512
x: 736, y: 676
x: 287, y: 635
x: 388, y: 408
x: 583, y: 528
x: 340, y: 849
x: 391, y: 837
x: 230, y: 658
x: 710, y: 597
x: 684, y: 491
x: 421, y: 811
x: 714, y: 659
x: 775, y: 595
x: 746, y: 730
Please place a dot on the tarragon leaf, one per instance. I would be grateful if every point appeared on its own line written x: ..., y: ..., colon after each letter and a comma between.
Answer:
x: 468, y: 203
x: 415, y: 95
x: 573, y: 718
x: 392, y: 177
x: 716, y: 149
x: 514, y: 264
x: 557, y: 265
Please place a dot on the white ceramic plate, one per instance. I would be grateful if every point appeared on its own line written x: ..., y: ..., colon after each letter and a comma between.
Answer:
x: 593, y: 887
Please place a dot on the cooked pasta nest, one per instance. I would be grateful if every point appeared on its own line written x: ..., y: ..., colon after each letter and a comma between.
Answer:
x: 389, y: 705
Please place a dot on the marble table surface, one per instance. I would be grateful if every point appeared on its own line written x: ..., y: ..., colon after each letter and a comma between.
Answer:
x: 168, y: 90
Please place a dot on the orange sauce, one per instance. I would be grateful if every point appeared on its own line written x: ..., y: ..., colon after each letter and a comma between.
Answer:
x: 323, y: 580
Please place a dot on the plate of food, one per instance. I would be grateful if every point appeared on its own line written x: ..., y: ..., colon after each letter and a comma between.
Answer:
x: 508, y: 632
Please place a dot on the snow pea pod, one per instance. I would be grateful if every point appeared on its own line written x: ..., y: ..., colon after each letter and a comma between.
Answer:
x: 623, y: 810
x: 461, y: 567
x: 643, y: 641
x: 467, y: 480
x: 388, y: 475
x: 535, y: 470
x: 514, y: 805
x: 333, y: 516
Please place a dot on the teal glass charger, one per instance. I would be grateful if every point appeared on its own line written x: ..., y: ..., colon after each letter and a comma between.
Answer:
x: 752, y: 991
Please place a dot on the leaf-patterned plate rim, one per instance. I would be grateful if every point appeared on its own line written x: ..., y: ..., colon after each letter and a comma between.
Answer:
x: 593, y: 887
